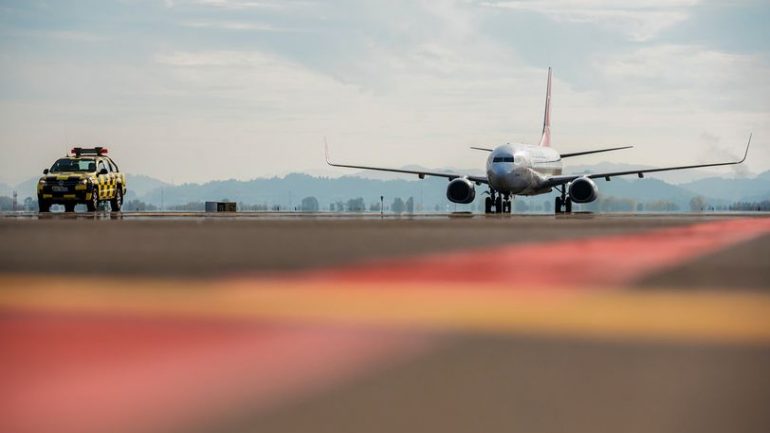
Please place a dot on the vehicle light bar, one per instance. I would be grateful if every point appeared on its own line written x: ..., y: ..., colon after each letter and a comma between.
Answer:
x: 98, y: 151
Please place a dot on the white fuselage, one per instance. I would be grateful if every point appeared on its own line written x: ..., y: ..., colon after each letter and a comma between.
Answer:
x: 521, y: 169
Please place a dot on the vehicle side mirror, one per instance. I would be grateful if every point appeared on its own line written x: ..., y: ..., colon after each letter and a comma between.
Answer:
x: 103, y: 171
x: 45, y: 171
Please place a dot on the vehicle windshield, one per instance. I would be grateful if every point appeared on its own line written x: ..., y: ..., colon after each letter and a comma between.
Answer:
x: 70, y: 165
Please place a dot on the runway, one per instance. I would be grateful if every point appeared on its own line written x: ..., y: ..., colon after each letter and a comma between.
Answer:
x: 293, y: 322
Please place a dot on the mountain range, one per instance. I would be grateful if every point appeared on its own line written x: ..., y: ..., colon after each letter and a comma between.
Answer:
x: 429, y: 194
x: 287, y: 191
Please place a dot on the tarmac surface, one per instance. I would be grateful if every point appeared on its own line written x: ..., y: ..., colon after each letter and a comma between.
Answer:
x: 293, y: 323
x: 205, y: 245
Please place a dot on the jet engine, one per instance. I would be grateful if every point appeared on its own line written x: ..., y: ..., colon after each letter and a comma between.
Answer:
x: 583, y: 190
x: 461, y: 190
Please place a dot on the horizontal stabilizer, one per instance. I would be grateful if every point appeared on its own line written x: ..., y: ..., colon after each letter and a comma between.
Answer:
x: 587, y: 152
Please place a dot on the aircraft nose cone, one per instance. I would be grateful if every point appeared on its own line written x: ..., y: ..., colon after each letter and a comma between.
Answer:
x: 507, y: 177
x: 500, y: 176
x: 501, y: 170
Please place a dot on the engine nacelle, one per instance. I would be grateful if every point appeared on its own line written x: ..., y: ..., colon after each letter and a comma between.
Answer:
x: 461, y: 190
x: 583, y: 190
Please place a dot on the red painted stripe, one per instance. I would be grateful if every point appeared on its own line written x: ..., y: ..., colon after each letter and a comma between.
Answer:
x: 584, y: 262
x: 77, y: 374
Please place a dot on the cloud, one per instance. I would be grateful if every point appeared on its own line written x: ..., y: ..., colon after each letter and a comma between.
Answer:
x: 238, y: 26
x: 252, y: 4
x: 78, y: 36
x: 639, y: 20
x: 390, y: 83
x: 691, y: 75
x: 62, y: 35
x: 676, y: 102
x: 216, y: 58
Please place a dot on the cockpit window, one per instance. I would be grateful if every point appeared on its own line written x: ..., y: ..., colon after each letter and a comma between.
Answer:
x: 502, y: 159
x: 69, y: 165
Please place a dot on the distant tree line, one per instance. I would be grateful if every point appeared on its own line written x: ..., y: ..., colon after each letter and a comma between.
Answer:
x: 398, y: 206
x: 192, y: 206
x: 759, y: 206
x: 253, y: 207
x: 307, y: 204
x: 138, y: 206
x: 28, y: 204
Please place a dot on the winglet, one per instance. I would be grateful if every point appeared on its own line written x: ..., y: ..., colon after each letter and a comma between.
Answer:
x: 326, y: 151
x: 546, y: 138
x: 746, y: 153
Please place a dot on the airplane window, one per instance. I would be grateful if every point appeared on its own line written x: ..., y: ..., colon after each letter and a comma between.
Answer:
x: 502, y: 159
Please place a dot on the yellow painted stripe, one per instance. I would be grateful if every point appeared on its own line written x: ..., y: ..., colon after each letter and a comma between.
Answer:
x: 661, y: 315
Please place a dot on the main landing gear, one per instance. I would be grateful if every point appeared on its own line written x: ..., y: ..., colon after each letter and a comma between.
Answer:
x: 563, y: 203
x: 497, y: 203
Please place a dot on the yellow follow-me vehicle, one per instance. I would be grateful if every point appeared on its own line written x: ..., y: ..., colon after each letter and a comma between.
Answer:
x: 87, y: 176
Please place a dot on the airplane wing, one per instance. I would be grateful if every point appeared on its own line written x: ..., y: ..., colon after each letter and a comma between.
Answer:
x: 561, y: 180
x: 420, y: 173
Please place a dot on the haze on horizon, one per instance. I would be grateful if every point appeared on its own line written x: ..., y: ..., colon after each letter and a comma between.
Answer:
x: 196, y: 90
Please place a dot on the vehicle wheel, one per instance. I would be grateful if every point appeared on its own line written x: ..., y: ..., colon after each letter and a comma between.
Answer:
x: 117, y: 202
x: 568, y: 205
x: 488, y: 205
x: 557, y: 205
x: 499, y: 205
x: 43, y: 206
x: 93, y: 204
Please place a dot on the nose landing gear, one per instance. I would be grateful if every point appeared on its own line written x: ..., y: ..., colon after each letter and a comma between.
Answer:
x: 497, y: 203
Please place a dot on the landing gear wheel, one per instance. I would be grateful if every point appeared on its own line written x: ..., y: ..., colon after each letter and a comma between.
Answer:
x: 69, y: 207
x: 507, y: 206
x: 557, y: 205
x: 93, y: 204
x: 488, y: 205
x: 568, y: 205
x: 117, y: 202
x: 499, y: 205
x: 43, y: 206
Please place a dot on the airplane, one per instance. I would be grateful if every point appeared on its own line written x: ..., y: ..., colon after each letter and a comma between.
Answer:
x: 527, y: 169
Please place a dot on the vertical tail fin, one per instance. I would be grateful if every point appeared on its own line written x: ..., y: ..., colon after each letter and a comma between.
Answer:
x: 545, y: 140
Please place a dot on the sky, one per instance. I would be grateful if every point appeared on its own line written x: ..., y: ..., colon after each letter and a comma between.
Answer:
x: 197, y: 90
